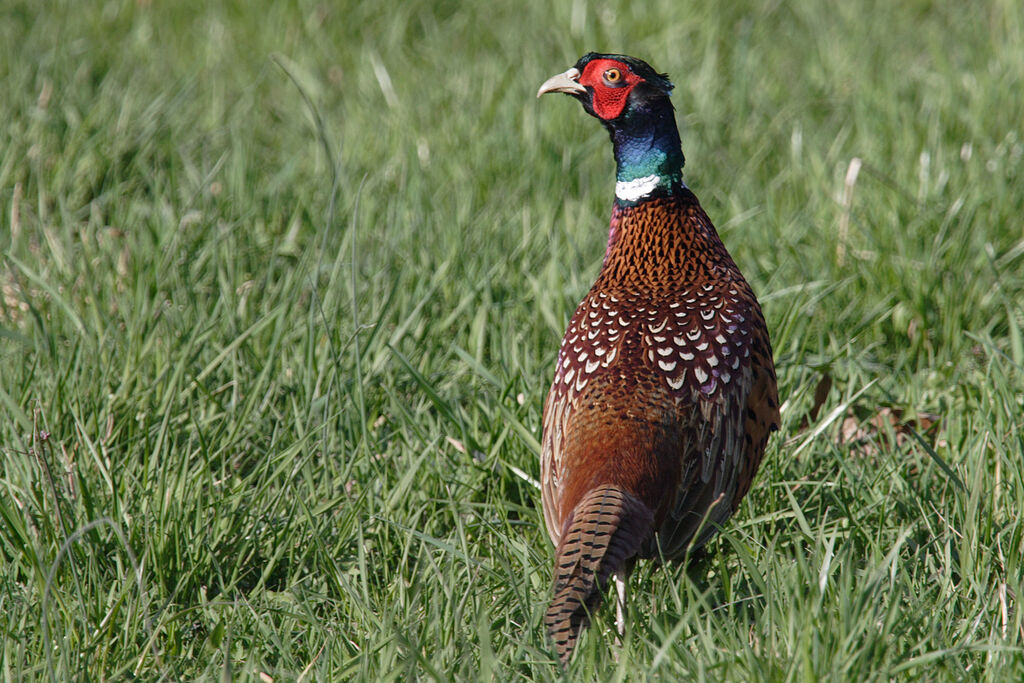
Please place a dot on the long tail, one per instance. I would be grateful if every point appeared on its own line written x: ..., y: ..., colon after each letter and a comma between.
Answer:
x: 606, y: 530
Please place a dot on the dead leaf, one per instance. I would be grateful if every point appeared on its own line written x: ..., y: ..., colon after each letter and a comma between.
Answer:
x: 820, y: 396
x: 866, y: 436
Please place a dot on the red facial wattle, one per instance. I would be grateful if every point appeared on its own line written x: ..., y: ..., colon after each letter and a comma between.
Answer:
x: 608, y: 100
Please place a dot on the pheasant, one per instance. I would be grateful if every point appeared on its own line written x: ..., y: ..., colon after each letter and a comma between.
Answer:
x: 664, y: 392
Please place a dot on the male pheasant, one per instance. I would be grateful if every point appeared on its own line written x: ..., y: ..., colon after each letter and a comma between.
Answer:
x: 664, y: 392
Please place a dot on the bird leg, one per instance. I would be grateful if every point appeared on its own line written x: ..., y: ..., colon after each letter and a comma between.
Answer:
x: 619, y: 577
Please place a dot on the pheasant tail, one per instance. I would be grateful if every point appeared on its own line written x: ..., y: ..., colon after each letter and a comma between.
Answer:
x: 605, y: 531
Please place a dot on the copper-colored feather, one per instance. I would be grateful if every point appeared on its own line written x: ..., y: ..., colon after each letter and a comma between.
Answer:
x: 605, y: 532
x: 664, y: 394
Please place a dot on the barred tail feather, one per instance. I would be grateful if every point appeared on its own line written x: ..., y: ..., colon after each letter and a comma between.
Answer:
x: 607, y: 529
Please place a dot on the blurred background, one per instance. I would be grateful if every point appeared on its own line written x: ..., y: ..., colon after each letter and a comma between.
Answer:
x: 282, y: 286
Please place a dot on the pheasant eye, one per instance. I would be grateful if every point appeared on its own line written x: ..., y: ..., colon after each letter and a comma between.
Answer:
x: 612, y: 76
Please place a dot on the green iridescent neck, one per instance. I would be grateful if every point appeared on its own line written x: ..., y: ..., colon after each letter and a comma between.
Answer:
x: 647, y: 153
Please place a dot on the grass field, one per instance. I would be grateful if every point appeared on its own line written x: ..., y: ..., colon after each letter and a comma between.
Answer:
x: 282, y: 289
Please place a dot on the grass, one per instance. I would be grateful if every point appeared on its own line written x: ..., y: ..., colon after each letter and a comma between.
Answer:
x: 282, y: 289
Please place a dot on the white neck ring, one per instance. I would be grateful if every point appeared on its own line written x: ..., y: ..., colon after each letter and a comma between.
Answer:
x: 638, y: 188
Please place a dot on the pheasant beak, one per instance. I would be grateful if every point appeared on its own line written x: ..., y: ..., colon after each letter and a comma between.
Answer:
x: 567, y: 82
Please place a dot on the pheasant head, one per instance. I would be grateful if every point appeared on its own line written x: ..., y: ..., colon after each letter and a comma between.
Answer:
x: 632, y: 100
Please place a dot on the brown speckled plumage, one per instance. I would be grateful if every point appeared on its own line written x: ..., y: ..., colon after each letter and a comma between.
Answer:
x: 663, y: 400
